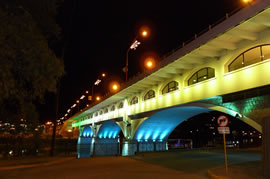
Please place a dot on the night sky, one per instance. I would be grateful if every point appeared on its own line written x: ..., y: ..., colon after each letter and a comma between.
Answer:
x: 98, y: 34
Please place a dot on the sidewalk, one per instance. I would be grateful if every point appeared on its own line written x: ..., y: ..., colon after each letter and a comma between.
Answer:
x: 247, y: 170
x: 28, y: 162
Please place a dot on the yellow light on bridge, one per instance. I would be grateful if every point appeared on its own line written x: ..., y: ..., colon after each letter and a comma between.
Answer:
x: 247, y: 1
x: 115, y: 87
x: 149, y: 63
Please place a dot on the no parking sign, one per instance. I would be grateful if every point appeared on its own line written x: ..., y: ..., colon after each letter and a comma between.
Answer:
x: 223, y: 121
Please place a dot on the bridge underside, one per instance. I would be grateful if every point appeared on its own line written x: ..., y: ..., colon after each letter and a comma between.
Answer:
x: 146, y: 134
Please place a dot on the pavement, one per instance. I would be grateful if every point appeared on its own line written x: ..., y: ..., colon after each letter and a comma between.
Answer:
x: 98, y: 167
x: 183, y: 164
x: 31, y: 162
x: 246, y: 170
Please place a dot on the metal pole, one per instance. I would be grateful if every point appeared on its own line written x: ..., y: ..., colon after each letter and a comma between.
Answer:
x: 225, y: 153
x: 127, y: 64
x: 93, y: 92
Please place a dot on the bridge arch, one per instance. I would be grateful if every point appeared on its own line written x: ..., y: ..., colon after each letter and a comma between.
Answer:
x: 84, y: 142
x: 109, y: 130
x: 159, y: 125
x: 87, y: 131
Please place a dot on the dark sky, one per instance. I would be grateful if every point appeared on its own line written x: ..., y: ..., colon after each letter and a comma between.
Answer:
x: 98, y: 34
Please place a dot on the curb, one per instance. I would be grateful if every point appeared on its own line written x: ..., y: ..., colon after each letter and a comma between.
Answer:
x: 211, y: 175
x: 34, y: 165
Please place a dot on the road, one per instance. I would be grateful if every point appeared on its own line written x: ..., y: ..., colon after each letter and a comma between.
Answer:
x: 198, y: 161
x: 184, y: 164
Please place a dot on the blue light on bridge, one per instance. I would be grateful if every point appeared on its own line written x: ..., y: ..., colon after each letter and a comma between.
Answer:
x: 106, y: 133
x: 156, y: 134
x: 115, y: 134
x: 110, y: 134
x: 109, y: 129
x: 140, y: 135
x: 148, y: 134
x: 87, y: 132
x: 160, y: 125
x: 165, y: 133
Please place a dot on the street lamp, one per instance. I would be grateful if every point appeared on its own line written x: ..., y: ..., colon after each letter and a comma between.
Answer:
x: 78, y: 102
x: 114, y: 86
x: 149, y: 63
x: 97, y: 82
x: 247, y: 1
x: 135, y: 43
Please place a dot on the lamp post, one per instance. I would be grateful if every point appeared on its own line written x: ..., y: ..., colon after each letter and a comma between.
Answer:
x: 135, y: 43
x: 78, y: 104
x: 97, y: 82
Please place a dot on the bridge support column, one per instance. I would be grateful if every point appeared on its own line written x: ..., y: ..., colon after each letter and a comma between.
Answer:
x: 129, y: 147
x: 266, y: 147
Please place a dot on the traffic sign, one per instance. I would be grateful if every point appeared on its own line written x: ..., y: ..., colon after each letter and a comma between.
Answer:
x: 223, y: 121
x: 224, y: 130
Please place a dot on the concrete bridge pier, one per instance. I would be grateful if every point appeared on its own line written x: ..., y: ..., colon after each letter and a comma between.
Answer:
x: 131, y: 147
x: 266, y: 147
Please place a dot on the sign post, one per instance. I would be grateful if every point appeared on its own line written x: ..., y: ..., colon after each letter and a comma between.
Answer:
x: 223, y: 129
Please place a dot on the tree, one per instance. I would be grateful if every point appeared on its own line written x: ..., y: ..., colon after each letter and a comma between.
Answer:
x: 29, y: 68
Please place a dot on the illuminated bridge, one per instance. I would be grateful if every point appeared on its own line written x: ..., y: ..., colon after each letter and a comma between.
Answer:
x: 225, y: 69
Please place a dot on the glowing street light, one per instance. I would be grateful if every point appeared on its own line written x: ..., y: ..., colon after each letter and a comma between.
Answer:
x: 97, y: 82
x: 135, y: 44
x: 144, y: 32
x: 247, y: 1
x: 98, y: 98
x: 82, y: 97
x: 115, y: 87
x: 149, y: 63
